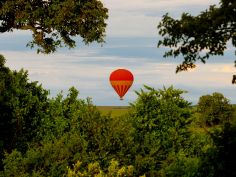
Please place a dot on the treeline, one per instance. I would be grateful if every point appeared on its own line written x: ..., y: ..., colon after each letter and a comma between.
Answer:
x: 162, y: 134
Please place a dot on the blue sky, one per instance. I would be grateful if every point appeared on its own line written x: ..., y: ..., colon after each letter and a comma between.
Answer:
x: 131, y: 40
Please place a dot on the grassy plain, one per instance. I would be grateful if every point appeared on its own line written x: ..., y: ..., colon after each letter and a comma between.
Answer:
x: 115, y: 111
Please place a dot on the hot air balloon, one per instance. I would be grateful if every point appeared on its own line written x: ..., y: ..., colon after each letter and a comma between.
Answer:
x: 121, y: 80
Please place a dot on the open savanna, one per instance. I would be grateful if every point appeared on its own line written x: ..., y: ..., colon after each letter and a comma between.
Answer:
x: 115, y: 111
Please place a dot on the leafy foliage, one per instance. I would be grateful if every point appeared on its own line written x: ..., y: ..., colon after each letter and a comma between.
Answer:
x: 219, y: 160
x: 199, y: 37
x: 160, y: 119
x: 22, y: 106
x: 70, y: 129
x: 180, y: 165
x: 94, y: 169
x: 54, y: 23
x: 68, y: 136
x: 214, y: 109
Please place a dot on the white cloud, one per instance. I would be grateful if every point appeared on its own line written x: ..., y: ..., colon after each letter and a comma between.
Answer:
x: 89, y: 71
x: 141, y: 17
x: 88, y: 68
x: 224, y: 69
x: 123, y: 24
x: 123, y: 5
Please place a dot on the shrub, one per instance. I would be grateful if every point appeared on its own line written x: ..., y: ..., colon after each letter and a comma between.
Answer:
x: 22, y: 106
x: 73, y: 130
x: 160, y: 119
x: 94, y: 169
x: 219, y: 160
x: 214, y: 109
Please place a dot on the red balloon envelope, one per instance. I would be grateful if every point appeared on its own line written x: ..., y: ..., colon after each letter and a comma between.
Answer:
x: 121, y: 80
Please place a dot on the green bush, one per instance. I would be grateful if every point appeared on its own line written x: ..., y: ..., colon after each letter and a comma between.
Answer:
x: 73, y: 130
x: 180, y: 165
x: 219, y: 160
x: 160, y: 119
x: 22, y: 107
x: 94, y: 169
x: 214, y: 109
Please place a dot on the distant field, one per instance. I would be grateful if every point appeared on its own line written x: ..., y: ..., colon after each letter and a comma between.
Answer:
x: 115, y: 111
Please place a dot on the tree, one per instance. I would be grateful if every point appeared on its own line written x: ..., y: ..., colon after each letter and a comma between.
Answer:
x: 54, y: 23
x: 22, y: 106
x: 219, y: 160
x: 215, y: 109
x: 160, y: 121
x: 199, y: 37
x: 70, y: 129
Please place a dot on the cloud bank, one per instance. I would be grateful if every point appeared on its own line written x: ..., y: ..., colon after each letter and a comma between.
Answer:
x: 130, y: 43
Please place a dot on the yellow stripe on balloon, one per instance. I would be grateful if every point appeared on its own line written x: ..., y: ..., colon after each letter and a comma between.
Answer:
x: 121, y: 87
x: 122, y: 82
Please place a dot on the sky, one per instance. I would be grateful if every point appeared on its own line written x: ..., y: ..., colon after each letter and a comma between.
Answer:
x: 131, y: 40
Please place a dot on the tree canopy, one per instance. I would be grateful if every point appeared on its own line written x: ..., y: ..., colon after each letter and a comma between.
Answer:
x: 199, y: 37
x: 54, y: 23
x: 68, y: 136
x: 215, y: 109
x: 22, y: 107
